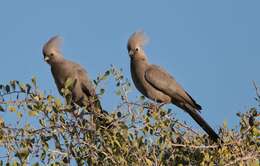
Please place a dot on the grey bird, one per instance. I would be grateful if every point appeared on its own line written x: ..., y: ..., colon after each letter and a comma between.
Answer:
x: 83, y: 91
x: 158, y: 85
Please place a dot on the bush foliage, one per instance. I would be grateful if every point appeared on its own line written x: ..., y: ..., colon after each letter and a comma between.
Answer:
x: 41, y: 129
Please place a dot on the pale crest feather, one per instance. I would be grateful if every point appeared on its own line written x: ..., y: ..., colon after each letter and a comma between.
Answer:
x: 138, y: 38
x: 53, y: 44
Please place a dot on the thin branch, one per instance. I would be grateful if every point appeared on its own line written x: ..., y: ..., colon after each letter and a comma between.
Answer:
x: 15, y: 92
x: 187, y: 127
x: 17, y: 102
x: 196, y: 147
x: 116, y: 120
x: 256, y: 90
x: 4, y: 156
x: 204, y: 146
x: 58, y: 152
x: 249, y: 157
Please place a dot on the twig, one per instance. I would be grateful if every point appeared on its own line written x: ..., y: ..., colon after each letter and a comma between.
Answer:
x: 256, y: 90
x: 57, y: 152
x: 116, y: 120
x: 13, y: 92
x: 186, y: 127
x: 124, y: 97
x: 204, y: 146
x: 249, y: 157
x: 196, y: 147
x: 245, y: 132
x: 17, y: 102
x: 4, y: 156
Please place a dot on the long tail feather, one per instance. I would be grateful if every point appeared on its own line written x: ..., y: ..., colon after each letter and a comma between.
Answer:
x: 206, y: 127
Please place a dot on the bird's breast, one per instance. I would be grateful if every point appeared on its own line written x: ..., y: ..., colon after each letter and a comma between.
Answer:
x: 60, y: 75
x: 138, y: 75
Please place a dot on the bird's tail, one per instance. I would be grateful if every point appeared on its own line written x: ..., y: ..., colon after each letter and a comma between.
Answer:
x: 99, y: 108
x: 206, y: 127
x: 98, y: 105
x: 101, y: 114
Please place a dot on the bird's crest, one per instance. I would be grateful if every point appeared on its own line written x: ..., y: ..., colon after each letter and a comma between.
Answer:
x: 53, y: 44
x: 138, y: 38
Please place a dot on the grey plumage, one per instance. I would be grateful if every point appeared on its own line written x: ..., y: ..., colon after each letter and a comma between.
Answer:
x: 83, y: 91
x: 155, y: 83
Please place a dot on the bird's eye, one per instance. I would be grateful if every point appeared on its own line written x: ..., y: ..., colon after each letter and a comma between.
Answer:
x: 51, y: 54
x: 137, y: 49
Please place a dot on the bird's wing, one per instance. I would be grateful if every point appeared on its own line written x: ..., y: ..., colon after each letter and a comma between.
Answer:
x: 164, y: 82
x: 86, y: 84
x: 88, y: 87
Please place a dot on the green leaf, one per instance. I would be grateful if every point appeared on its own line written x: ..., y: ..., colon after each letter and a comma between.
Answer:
x: 22, y: 154
x: 117, y: 143
x: 15, y: 163
x: 42, y: 122
x: 2, y: 109
x: 119, y: 114
x: 107, y: 73
x: 57, y: 142
x: 34, y: 81
x: 28, y: 88
x: 7, y: 88
x: 19, y: 114
x: 142, y: 98
x: 148, y: 162
x: 118, y: 92
x: 49, y: 98
x: 225, y: 124
x: 13, y: 84
x: 1, y: 123
x: 95, y: 82
x: 32, y: 113
x: 11, y: 108
x: 22, y: 87
x: 43, y: 155
x: 62, y: 119
x: 36, y: 164
x: 102, y: 91
x: 66, y: 160
x: 254, y: 162
x: 69, y: 83
x: 57, y: 102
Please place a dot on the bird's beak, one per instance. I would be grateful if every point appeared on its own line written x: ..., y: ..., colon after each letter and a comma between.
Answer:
x: 131, y: 53
x: 46, y: 59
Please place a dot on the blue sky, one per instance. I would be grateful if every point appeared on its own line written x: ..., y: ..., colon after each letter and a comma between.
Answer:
x: 211, y: 47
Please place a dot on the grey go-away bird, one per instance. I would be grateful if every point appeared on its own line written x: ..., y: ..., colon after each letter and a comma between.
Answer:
x: 83, y: 90
x: 158, y: 85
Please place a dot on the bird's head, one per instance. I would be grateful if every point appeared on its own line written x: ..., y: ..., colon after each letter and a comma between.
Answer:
x: 51, y: 50
x: 135, y: 45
